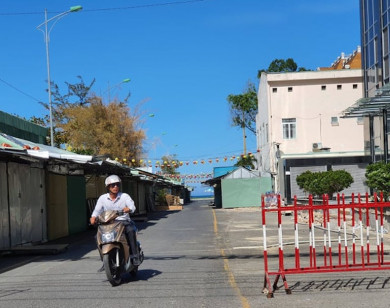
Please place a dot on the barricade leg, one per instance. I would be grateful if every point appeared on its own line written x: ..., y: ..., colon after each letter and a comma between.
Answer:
x: 267, y: 289
x: 286, y: 288
x: 270, y: 289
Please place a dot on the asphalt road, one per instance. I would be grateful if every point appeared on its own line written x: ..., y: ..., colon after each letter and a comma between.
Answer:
x: 197, y: 257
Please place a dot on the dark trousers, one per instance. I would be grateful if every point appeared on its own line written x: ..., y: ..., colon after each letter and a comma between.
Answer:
x: 131, y: 233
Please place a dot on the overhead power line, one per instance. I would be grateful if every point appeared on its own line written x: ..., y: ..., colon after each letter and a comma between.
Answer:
x: 144, y: 6
x: 20, y: 91
x: 113, y: 8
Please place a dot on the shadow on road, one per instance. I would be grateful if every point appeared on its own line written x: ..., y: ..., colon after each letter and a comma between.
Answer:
x: 73, y: 247
x: 142, y: 275
x: 153, y: 218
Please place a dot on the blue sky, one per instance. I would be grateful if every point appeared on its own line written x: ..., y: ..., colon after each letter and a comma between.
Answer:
x: 183, y: 58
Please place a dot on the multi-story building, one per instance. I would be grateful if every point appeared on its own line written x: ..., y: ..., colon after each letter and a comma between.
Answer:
x: 375, y: 23
x: 299, y: 118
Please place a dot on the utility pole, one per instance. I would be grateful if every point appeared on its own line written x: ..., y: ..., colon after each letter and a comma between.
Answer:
x: 243, y: 130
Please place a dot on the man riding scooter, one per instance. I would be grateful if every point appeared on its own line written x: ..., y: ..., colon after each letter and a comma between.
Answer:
x: 118, y: 201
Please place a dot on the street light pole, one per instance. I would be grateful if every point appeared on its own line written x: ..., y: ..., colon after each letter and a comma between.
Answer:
x: 49, y: 80
x: 117, y: 85
x: 46, y: 33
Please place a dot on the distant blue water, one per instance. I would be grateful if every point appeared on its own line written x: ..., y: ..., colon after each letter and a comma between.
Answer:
x: 202, y: 197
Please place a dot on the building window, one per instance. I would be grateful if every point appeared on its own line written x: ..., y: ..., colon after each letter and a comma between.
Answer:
x: 334, y: 121
x: 323, y: 88
x: 290, y: 89
x: 274, y: 90
x: 339, y: 86
x: 360, y: 120
x: 355, y: 86
x: 289, y: 128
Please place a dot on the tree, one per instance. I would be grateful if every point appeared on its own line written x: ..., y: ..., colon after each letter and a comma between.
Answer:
x: 36, y: 120
x: 169, y: 164
x: 88, y: 126
x: 280, y: 65
x: 77, y: 94
x: 101, y: 129
x: 378, y: 177
x: 246, y: 161
x: 243, y: 109
x: 328, y: 182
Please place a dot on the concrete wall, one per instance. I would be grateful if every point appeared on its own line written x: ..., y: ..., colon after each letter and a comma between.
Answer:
x: 300, y: 95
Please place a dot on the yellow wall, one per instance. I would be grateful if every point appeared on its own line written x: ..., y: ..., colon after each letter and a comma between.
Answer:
x: 57, y: 209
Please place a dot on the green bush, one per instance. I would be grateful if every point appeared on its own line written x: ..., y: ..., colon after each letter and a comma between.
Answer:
x: 161, y: 197
x: 378, y: 177
x: 304, y: 179
x: 327, y: 182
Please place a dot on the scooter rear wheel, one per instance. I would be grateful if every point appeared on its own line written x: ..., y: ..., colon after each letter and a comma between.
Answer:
x: 113, y: 272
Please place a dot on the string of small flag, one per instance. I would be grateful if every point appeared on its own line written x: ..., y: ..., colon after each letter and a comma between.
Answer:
x: 187, y: 178
x: 179, y: 163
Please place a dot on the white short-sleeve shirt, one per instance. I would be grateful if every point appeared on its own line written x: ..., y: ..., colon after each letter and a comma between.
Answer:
x: 122, y: 200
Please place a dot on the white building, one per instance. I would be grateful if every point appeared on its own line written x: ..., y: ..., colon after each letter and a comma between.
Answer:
x: 299, y: 115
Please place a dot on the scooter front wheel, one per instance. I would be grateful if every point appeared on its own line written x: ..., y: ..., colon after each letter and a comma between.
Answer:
x: 113, y: 272
x: 134, y: 272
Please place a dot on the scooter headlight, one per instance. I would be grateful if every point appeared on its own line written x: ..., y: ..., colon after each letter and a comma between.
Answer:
x: 108, y: 237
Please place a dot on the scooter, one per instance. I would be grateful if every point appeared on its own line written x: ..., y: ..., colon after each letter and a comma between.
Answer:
x: 114, y: 248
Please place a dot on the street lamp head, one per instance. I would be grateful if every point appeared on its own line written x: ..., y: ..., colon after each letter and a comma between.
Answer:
x: 126, y: 80
x: 75, y: 8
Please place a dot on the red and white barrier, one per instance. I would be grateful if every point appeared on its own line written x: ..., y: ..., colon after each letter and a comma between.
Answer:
x: 346, y: 225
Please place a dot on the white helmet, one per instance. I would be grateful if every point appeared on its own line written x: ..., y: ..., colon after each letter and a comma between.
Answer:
x: 112, y: 179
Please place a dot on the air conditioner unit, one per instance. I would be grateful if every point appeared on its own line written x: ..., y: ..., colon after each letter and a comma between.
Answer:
x: 316, y: 146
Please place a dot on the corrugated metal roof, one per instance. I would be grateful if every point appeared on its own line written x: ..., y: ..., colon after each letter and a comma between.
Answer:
x: 31, y: 150
x: 229, y: 175
x: 8, y: 144
x: 40, y: 150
